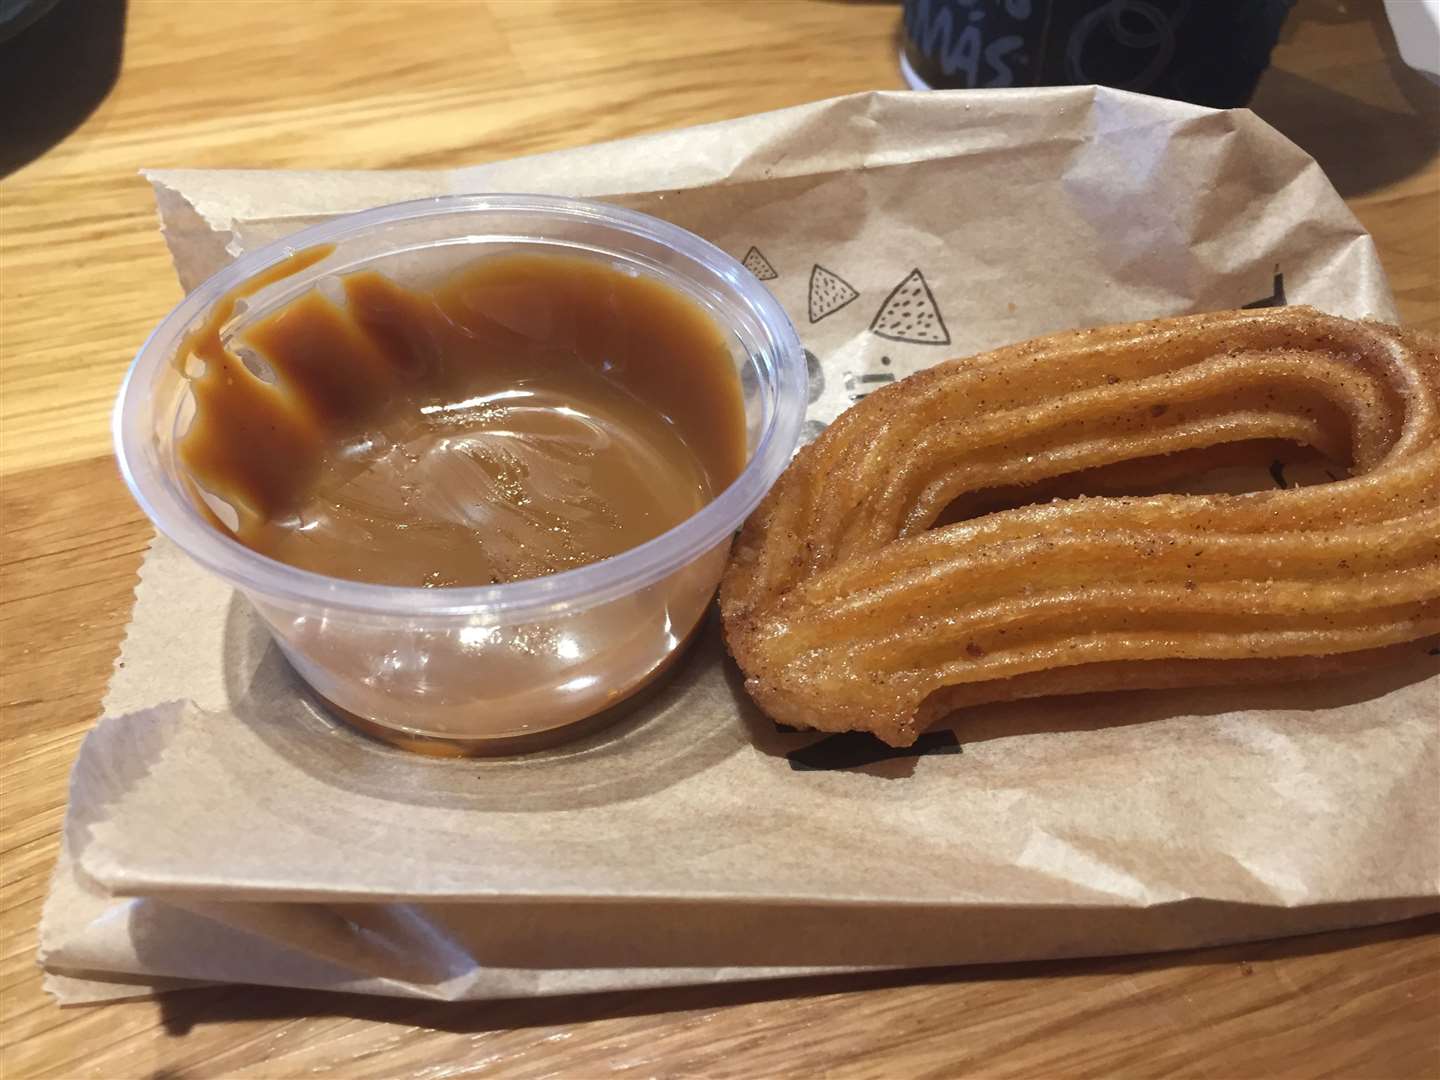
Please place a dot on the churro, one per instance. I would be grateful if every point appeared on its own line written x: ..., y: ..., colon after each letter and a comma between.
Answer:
x: 849, y: 608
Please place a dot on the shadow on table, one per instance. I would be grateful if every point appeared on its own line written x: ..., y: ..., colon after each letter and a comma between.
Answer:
x: 180, y: 1012
x: 1360, y: 146
x: 54, y: 74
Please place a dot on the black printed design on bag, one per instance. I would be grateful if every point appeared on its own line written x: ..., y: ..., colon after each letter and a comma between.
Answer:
x: 810, y: 431
x: 758, y: 265
x: 829, y: 292
x: 815, y: 378
x: 861, y: 385
x: 1277, y: 294
x: 910, y: 314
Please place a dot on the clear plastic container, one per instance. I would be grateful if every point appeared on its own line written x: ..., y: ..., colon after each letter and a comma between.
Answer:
x: 497, y: 665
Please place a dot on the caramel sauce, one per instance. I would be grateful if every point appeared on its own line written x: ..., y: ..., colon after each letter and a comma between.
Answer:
x: 530, y: 414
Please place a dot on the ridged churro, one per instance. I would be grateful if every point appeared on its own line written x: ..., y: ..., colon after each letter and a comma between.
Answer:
x: 849, y: 608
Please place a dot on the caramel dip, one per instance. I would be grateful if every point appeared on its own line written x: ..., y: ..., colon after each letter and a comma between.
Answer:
x: 527, y: 415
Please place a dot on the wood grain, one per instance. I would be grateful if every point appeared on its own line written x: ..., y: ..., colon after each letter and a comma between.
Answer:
x: 413, y: 83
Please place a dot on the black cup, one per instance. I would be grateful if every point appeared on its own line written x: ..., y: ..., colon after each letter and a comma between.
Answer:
x: 1211, y: 52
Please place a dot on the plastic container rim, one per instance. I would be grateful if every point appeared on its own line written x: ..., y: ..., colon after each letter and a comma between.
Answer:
x: 175, y: 517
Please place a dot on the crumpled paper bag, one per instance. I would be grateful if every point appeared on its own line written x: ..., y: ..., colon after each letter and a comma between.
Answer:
x: 222, y: 828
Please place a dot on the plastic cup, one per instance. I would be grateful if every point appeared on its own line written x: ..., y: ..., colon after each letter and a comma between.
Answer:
x: 1209, y: 52
x: 496, y: 666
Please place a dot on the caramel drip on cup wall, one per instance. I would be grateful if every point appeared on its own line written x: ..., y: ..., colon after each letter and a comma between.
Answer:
x: 215, y: 447
x: 530, y: 414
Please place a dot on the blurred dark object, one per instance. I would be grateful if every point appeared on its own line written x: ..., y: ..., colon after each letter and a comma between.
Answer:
x: 1210, y: 52
x: 1368, y: 126
x: 15, y: 15
x: 54, y: 72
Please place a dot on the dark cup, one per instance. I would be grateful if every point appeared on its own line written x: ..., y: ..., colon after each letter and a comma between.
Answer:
x: 1211, y: 52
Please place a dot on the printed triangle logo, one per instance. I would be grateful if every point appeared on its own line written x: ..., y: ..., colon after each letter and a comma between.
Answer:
x: 910, y: 313
x: 829, y: 292
x: 758, y: 265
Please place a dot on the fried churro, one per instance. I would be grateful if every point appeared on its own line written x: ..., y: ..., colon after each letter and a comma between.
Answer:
x: 849, y: 608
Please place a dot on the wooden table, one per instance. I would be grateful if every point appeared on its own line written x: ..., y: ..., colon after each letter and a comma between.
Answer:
x: 412, y: 83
